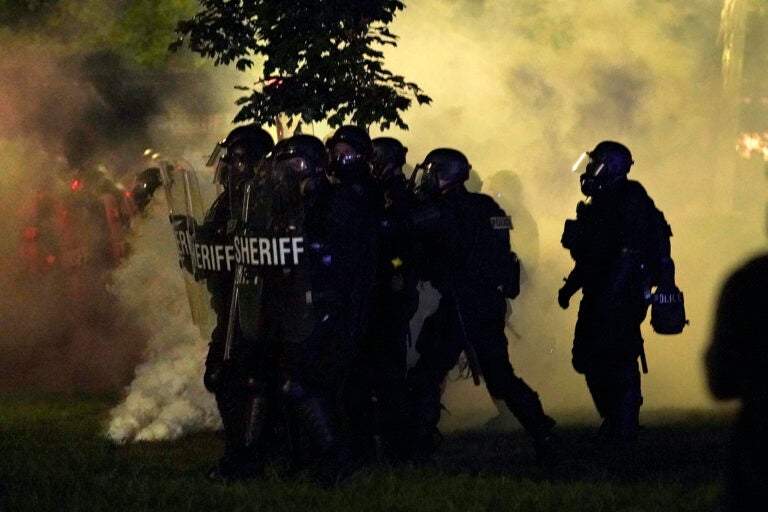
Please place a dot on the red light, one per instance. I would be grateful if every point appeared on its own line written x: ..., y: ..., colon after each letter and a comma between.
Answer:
x: 75, y: 184
x: 127, y: 193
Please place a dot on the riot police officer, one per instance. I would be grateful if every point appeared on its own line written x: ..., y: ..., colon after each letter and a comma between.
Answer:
x: 606, y: 242
x: 468, y: 260
x: 284, y: 203
x: 379, y: 389
x: 342, y: 252
x: 144, y: 187
x: 229, y: 371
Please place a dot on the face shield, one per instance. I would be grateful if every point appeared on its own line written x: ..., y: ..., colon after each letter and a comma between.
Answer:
x: 234, y: 167
x: 219, y: 175
x: 384, y: 171
x: 590, y: 173
x: 586, y: 164
x: 346, y: 163
x: 240, y: 164
x: 293, y: 166
x: 424, y: 182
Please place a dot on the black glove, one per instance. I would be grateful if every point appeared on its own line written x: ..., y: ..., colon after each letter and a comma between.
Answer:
x: 214, y: 377
x: 570, y: 287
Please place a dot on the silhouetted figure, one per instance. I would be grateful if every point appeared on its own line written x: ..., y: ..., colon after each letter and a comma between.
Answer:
x: 506, y: 189
x: 736, y: 365
x: 608, y: 243
x: 380, y: 376
x: 467, y: 258
x: 3, y: 493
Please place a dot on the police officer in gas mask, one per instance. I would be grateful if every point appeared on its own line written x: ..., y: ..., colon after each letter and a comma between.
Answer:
x: 229, y: 370
x: 283, y: 204
x: 378, y: 392
x: 606, y: 243
x: 343, y: 252
x: 467, y: 259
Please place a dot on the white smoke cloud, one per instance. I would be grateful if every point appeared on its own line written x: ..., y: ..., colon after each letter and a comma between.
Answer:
x: 167, y: 398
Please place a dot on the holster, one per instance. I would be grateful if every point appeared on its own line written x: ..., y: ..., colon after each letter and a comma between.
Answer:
x: 511, y: 288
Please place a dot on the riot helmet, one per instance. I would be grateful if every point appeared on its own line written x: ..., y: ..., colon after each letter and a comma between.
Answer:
x: 608, y: 163
x: 350, y: 152
x: 145, y: 184
x: 304, y: 155
x: 443, y: 169
x: 388, y: 159
x: 245, y: 146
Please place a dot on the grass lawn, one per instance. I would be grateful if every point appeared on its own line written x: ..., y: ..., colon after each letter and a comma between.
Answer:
x: 53, y: 458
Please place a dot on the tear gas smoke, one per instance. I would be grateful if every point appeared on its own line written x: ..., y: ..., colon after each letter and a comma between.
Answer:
x: 60, y: 328
x: 166, y: 398
x: 64, y: 325
x: 522, y: 88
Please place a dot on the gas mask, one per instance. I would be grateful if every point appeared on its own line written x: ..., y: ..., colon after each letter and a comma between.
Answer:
x: 425, y: 183
x: 600, y: 168
x: 347, y: 169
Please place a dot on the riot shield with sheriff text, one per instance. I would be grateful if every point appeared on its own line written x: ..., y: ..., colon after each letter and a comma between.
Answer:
x: 270, y: 249
x: 186, y: 212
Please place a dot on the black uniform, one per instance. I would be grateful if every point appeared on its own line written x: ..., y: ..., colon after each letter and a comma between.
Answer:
x: 378, y: 390
x: 232, y: 370
x: 607, y: 242
x: 232, y: 379
x: 276, y: 309
x: 343, y: 252
x: 471, y: 311
x: 736, y: 362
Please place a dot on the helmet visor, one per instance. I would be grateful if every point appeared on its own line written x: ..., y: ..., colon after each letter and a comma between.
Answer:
x: 586, y: 164
x: 293, y: 166
x: 424, y: 182
x: 221, y: 171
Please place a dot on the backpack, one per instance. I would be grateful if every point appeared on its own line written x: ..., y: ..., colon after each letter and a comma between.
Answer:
x: 491, y: 260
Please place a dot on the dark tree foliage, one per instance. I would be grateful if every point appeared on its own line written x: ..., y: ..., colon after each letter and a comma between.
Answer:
x: 322, y: 59
x: 24, y: 14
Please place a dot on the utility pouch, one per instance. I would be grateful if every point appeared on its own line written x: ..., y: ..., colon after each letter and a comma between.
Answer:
x: 572, y: 233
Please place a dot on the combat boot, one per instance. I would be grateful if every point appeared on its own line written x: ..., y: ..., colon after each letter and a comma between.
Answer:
x: 550, y: 449
x: 336, y: 463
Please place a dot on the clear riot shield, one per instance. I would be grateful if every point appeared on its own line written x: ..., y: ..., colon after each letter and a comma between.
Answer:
x: 186, y: 212
x: 270, y: 251
x: 247, y: 292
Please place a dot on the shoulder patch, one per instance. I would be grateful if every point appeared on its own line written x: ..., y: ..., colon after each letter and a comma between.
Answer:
x: 501, y: 222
